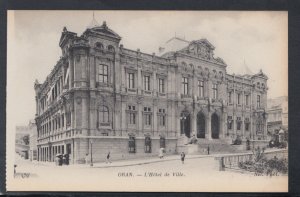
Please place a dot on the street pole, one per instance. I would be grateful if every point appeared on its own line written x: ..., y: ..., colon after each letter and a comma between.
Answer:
x: 91, y: 153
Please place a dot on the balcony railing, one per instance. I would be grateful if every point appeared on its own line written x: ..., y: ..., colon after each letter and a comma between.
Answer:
x: 147, y: 92
x: 161, y: 94
x: 131, y: 90
x: 183, y: 96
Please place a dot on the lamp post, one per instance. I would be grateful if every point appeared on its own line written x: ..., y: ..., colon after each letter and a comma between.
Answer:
x: 91, y: 153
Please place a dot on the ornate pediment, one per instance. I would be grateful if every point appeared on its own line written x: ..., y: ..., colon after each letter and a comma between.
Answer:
x: 201, y: 48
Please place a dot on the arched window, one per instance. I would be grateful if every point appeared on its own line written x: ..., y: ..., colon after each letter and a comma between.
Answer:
x: 162, y: 141
x: 103, y: 114
x: 99, y: 45
x: 111, y: 48
x: 191, y: 66
x: 131, y: 144
x: 221, y: 75
x: 215, y: 73
x: 147, y: 144
x: 258, y: 85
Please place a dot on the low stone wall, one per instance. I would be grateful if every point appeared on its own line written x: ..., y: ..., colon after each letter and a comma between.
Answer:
x: 232, y: 160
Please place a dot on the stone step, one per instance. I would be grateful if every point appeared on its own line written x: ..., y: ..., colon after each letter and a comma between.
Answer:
x: 215, y: 146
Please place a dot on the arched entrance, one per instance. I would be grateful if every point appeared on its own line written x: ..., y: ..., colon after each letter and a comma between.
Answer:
x: 185, y: 124
x: 215, y: 126
x: 200, y: 125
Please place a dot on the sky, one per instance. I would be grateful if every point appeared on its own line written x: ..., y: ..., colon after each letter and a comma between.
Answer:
x: 257, y: 39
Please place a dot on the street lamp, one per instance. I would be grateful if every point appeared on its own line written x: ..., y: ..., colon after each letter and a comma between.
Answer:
x: 91, y: 153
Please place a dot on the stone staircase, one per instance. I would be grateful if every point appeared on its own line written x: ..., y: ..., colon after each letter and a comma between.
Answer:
x: 215, y: 146
x: 219, y: 146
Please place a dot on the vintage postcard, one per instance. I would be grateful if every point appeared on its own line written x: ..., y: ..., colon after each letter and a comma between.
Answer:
x: 179, y: 101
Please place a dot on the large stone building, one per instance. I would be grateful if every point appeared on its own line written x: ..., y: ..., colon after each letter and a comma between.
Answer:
x: 277, y: 114
x: 102, y: 97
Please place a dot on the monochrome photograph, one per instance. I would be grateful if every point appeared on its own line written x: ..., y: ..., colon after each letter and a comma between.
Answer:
x: 140, y: 101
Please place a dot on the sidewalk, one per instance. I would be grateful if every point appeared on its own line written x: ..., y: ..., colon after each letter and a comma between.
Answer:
x: 140, y: 161
x: 124, y: 163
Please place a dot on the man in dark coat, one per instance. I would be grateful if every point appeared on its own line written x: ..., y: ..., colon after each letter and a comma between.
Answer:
x: 182, y: 157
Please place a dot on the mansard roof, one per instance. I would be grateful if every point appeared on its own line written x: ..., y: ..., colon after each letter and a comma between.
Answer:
x: 261, y: 74
x: 205, y: 42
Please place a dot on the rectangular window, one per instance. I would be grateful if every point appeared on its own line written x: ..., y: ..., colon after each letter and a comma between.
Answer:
x: 132, y: 113
x: 147, y: 145
x: 147, y: 116
x: 161, y: 85
x: 130, y: 80
x: 131, y: 144
x: 239, y: 123
x: 62, y: 120
x: 247, y: 124
x: 162, y: 117
x: 238, y: 98
x: 200, y: 88
x: 258, y: 101
x: 185, y: 85
x: 229, y: 120
x: 132, y: 118
x: 215, y: 91
x: 103, y: 73
x: 247, y: 100
x: 147, y: 83
x: 229, y: 97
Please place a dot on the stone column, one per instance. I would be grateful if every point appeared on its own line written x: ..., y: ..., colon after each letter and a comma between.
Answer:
x: 207, y: 89
x: 38, y: 154
x: 154, y: 122
x: 92, y: 72
x: 124, y: 118
x: 123, y: 79
x: 243, y: 125
x: 85, y: 115
x: 224, y: 124
x: 140, y: 117
x: 194, y: 123
x: 71, y: 71
x: 139, y: 81
x: 234, y: 124
x: 178, y: 122
x: 208, y: 128
x: 154, y: 88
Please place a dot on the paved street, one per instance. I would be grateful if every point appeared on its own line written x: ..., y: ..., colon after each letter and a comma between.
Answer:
x: 197, y: 174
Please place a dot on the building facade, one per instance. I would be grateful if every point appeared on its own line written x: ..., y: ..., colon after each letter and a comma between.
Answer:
x: 277, y: 114
x: 26, y: 140
x: 101, y: 97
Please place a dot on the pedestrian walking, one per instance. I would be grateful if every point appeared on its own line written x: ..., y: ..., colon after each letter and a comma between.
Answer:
x: 161, y: 153
x: 108, y: 158
x: 86, y: 158
x: 208, y: 149
x: 182, y: 157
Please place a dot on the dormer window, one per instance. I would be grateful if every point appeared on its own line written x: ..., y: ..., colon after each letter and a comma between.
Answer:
x: 111, y: 48
x: 99, y: 45
x: 258, y: 85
